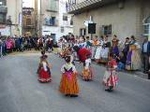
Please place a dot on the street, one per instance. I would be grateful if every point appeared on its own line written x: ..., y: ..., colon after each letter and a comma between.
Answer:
x: 20, y: 90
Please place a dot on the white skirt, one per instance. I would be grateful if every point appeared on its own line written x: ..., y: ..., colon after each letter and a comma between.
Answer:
x: 98, y: 52
x: 104, y: 52
x: 93, y: 51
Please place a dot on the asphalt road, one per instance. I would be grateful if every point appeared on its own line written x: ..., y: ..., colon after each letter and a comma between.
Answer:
x: 20, y: 90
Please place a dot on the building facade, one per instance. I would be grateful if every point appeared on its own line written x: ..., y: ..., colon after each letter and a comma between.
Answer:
x: 11, y: 17
x: 53, y: 19
x: 29, y: 22
x: 121, y: 17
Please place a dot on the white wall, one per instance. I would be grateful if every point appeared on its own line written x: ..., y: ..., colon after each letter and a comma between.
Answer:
x: 59, y: 16
x: 124, y: 21
x: 14, y: 9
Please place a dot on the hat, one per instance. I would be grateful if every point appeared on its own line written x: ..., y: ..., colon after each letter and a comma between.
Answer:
x: 44, y: 57
x: 68, y: 59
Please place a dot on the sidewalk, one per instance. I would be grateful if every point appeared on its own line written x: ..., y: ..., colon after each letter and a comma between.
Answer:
x: 137, y: 73
x: 141, y: 74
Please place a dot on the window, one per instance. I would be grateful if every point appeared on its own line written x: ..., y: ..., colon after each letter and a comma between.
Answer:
x: 50, y: 21
x: 82, y: 32
x: 146, y: 29
x: 71, y: 21
x: 53, y: 5
x: 62, y: 29
x: 53, y: 21
x: 147, y: 26
x: 2, y: 18
x: 65, y: 18
x: 107, y: 29
x: 53, y: 35
x: 2, y: 2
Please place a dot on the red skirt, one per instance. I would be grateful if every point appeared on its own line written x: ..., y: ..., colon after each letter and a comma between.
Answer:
x: 44, y: 76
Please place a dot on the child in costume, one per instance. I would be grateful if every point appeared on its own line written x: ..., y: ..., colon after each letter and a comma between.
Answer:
x: 44, y: 69
x: 87, y: 71
x: 69, y: 85
x: 110, y: 78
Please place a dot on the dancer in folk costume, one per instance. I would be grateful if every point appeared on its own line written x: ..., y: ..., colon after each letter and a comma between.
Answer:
x: 115, y: 48
x: 87, y: 73
x: 69, y: 85
x: 133, y: 61
x: 110, y: 78
x: 98, y: 50
x: 44, y: 70
x: 95, y: 43
x: 105, y: 50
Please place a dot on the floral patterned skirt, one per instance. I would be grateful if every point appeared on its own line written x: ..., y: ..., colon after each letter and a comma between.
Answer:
x: 69, y: 84
x: 87, y: 74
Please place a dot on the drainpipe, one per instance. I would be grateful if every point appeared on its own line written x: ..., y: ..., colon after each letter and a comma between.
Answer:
x: 149, y: 32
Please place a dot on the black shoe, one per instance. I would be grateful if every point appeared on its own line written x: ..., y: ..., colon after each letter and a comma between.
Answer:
x: 67, y: 94
x: 73, y: 95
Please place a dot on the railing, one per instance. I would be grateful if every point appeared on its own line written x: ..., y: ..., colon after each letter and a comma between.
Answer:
x: 50, y: 22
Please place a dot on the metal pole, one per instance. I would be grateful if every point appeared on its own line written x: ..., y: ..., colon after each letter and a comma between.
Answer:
x: 91, y: 36
x: 149, y: 32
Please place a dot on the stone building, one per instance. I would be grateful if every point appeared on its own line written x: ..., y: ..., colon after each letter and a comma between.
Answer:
x: 11, y: 17
x: 121, y: 17
x: 52, y: 18
x: 29, y: 22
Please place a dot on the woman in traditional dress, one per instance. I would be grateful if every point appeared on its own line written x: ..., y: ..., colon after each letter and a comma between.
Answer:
x: 95, y: 43
x: 133, y: 61
x: 44, y: 70
x: 105, y: 50
x: 69, y: 85
x: 115, y: 49
x: 87, y: 73
x: 9, y: 45
x: 98, y: 50
x: 110, y: 78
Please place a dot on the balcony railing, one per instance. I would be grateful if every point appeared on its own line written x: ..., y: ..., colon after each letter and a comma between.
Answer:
x: 86, y: 5
x: 51, y: 21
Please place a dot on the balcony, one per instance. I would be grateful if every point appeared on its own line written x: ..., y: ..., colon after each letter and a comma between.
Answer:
x: 52, y: 21
x: 3, y: 9
x: 77, y: 8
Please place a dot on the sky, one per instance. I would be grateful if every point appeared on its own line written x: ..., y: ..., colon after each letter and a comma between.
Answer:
x: 28, y: 3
